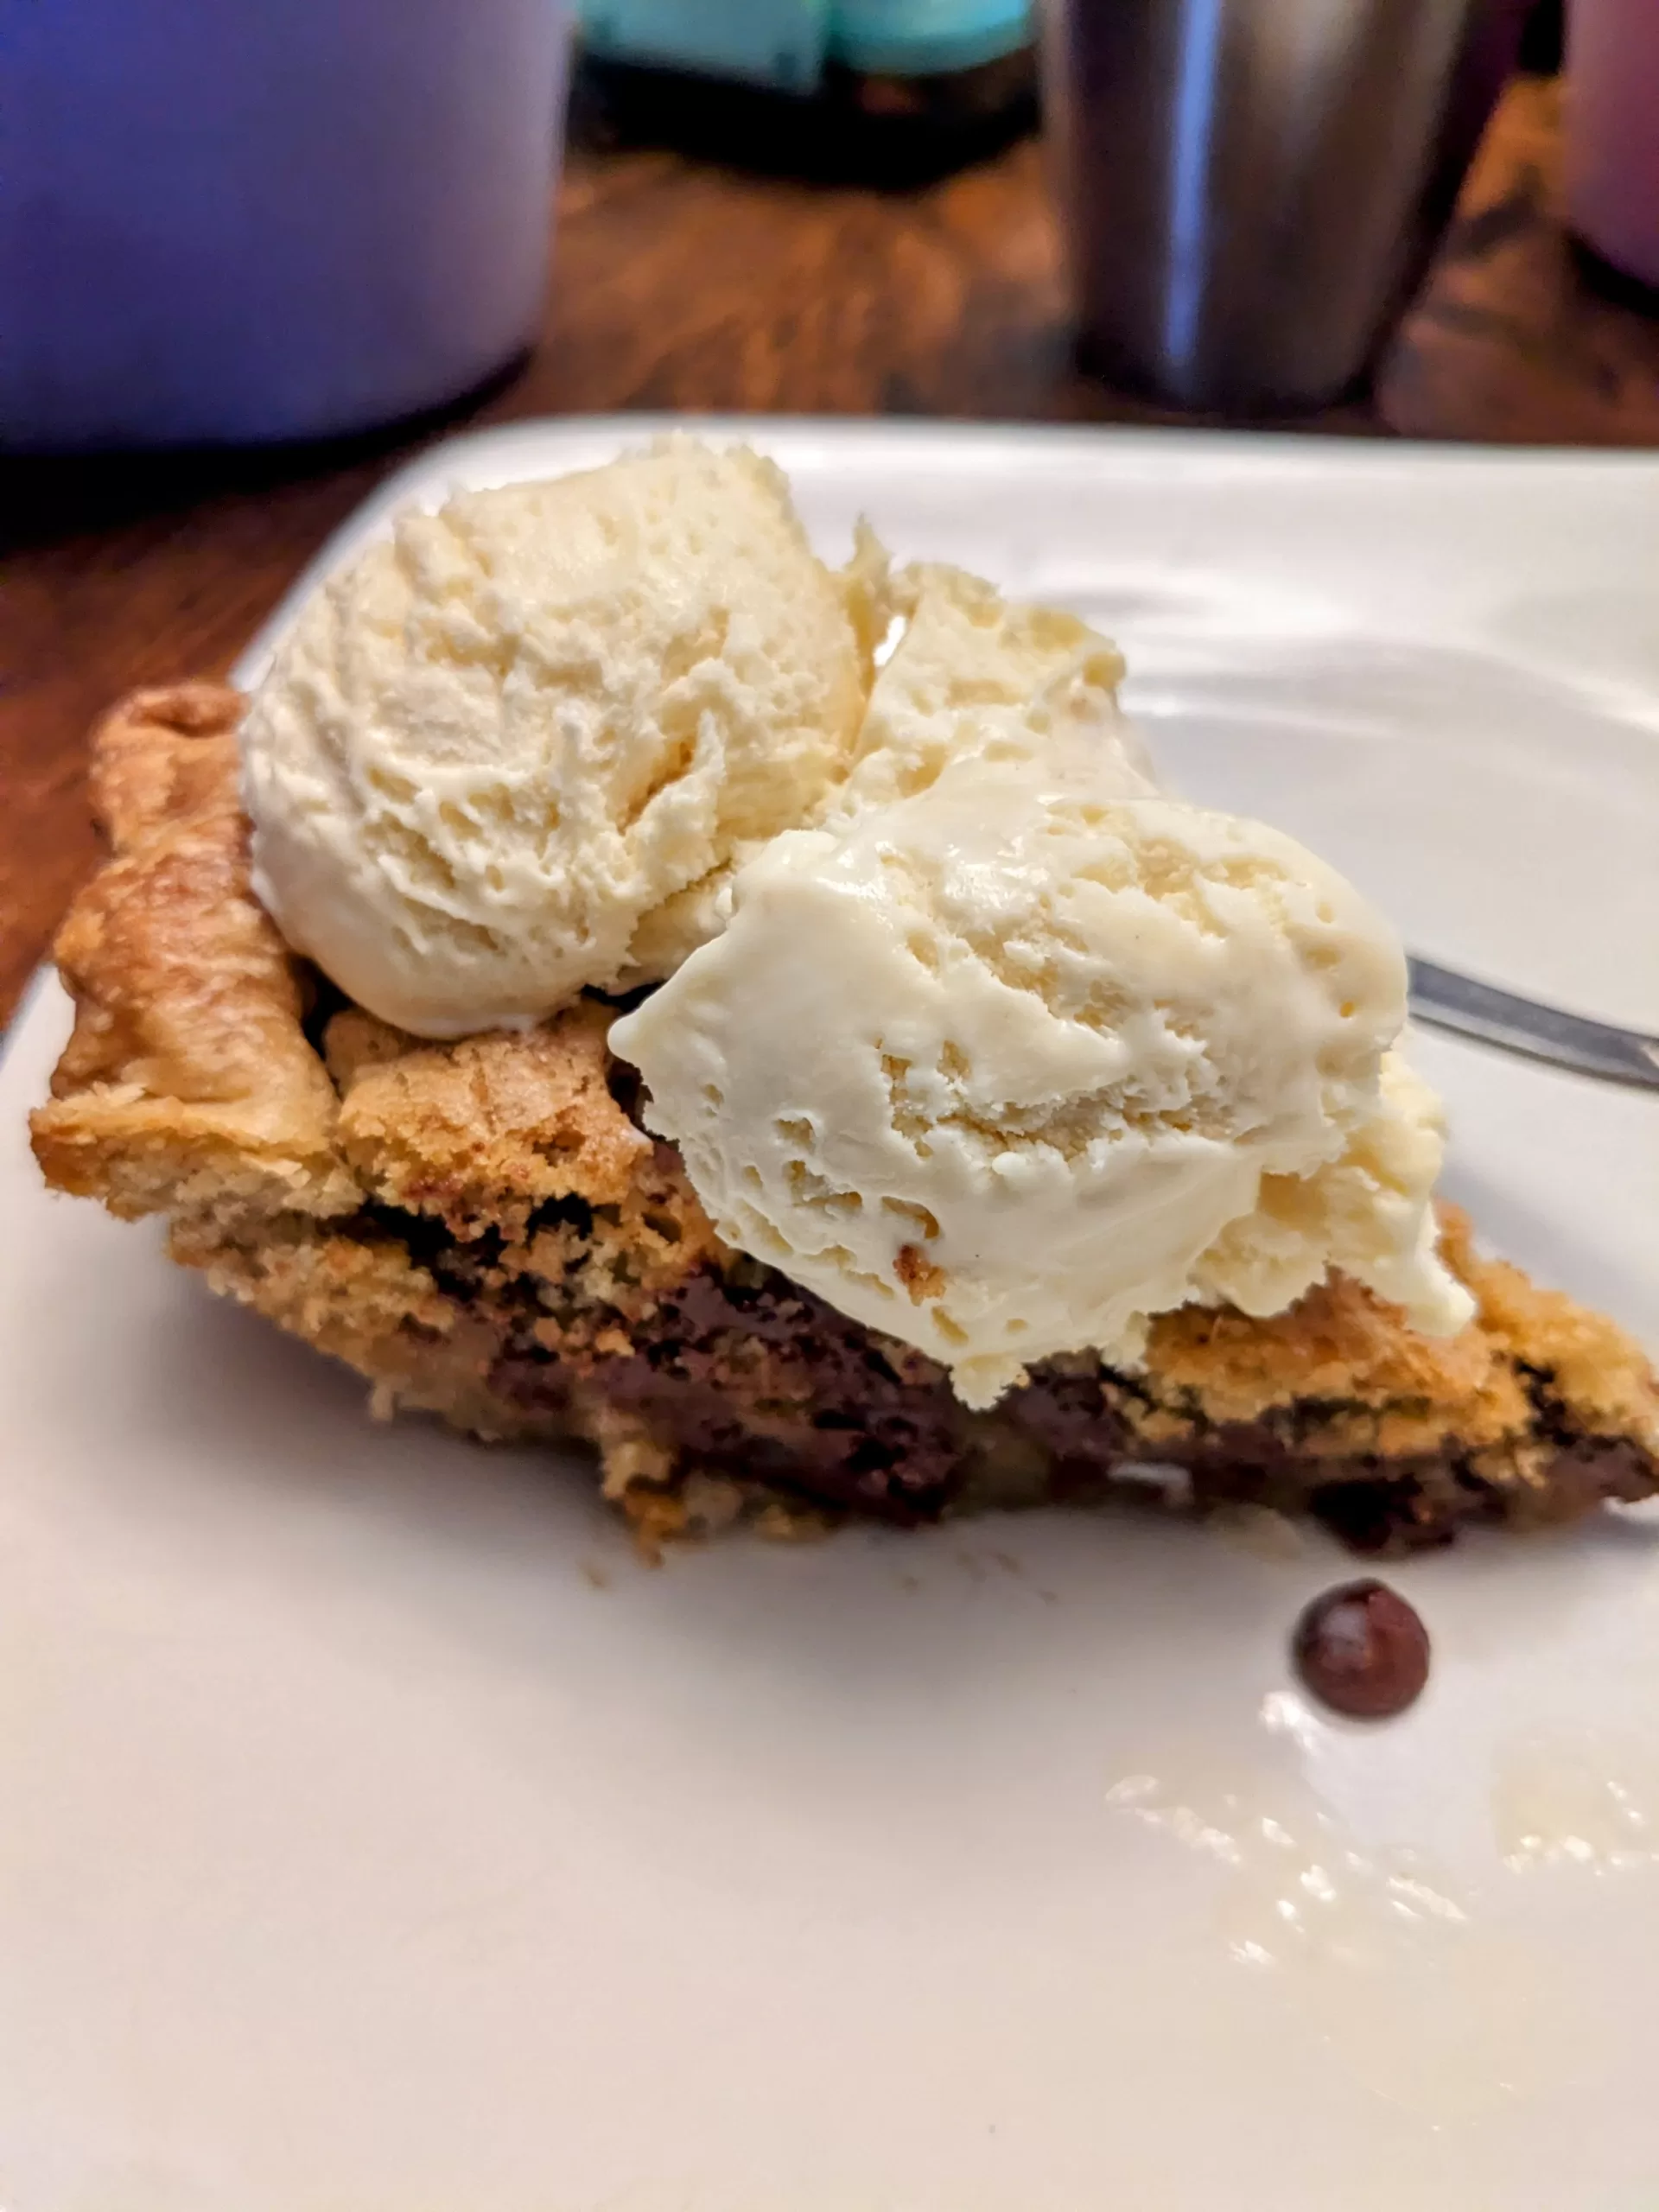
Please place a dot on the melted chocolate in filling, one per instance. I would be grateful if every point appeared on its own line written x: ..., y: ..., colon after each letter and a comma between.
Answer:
x: 763, y: 1381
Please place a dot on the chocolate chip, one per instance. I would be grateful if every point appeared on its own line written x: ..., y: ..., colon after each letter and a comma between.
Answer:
x: 1362, y: 1650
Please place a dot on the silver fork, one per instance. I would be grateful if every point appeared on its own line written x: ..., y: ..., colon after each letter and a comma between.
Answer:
x: 1445, y: 1000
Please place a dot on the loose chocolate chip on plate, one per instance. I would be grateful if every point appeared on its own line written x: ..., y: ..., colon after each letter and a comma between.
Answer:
x: 1362, y: 1650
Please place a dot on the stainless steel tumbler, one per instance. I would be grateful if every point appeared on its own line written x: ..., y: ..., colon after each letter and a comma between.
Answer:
x: 1250, y: 189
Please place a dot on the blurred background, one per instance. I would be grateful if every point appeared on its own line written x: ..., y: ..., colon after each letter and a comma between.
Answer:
x: 252, y: 258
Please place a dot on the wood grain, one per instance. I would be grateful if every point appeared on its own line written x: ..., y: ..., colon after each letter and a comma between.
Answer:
x: 682, y: 286
x: 1517, y: 337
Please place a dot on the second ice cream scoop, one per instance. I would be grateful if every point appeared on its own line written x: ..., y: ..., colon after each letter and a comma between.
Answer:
x: 1004, y: 1067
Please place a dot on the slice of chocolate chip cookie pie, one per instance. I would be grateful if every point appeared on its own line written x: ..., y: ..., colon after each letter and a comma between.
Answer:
x: 484, y: 1228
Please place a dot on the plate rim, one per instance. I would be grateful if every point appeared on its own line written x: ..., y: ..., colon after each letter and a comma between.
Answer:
x: 1245, y: 453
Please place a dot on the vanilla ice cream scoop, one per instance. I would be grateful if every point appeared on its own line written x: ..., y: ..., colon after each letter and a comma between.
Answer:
x: 503, y: 756
x: 1003, y: 1067
x: 973, y: 669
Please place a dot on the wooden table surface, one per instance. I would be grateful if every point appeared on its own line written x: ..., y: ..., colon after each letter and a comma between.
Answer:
x: 682, y: 286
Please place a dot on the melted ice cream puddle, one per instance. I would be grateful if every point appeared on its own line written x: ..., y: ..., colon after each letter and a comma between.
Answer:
x: 1573, y: 1801
x: 1382, y: 1953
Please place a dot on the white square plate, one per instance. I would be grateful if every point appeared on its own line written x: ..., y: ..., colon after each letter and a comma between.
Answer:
x: 376, y: 1836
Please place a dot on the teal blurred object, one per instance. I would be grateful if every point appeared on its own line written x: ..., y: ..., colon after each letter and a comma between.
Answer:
x: 788, y: 45
x: 926, y: 38
x: 783, y: 44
